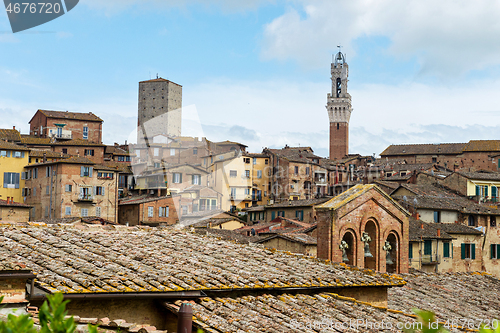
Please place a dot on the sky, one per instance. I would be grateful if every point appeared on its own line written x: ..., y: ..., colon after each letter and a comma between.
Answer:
x: 258, y: 71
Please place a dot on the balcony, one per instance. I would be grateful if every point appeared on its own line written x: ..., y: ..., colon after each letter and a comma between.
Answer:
x: 85, y: 197
x: 430, y: 259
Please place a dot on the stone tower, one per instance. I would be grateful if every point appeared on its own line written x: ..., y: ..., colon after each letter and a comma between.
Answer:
x: 339, y: 109
x: 161, y: 100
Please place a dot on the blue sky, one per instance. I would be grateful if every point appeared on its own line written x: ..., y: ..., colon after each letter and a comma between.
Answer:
x: 258, y: 71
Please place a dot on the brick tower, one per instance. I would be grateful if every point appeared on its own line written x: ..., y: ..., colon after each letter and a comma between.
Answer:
x: 339, y: 108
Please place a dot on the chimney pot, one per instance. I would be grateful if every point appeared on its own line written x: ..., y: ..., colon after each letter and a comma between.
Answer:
x: 439, y: 232
x: 422, y: 226
x: 14, y: 127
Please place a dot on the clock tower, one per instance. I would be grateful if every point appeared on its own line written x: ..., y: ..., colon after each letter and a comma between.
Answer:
x: 339, y: 108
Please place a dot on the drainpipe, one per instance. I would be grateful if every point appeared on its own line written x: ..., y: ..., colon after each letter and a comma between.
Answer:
x: 50, y: 200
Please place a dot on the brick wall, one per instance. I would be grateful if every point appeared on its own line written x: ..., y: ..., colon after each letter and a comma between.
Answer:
x: 339, y: 140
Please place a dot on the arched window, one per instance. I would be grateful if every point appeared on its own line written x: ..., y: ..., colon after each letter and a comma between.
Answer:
x: 339, y: 87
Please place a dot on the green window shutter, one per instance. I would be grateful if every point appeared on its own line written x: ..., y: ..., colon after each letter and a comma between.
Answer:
x: 446, y: 250
x: 494, y: 191
x: 452, y: 250
x: 273, y: 215
x: 486, y: 191
x: 427, y: 247
x: 498, y: 251
x: 463, y: 250
x: 477, y: 190
x: 492, y: 250
x: 473, y: 251
x: 410, y: 251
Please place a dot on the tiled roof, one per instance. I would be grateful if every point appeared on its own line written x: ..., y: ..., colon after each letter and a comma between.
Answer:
x: 104, y: 168
x: 424, y: 149
x: 159, y: 79
x: 70, y: 115
x: 116, y: 151
x: 354, y: 192
x: 94, y: 259
x: 215, y: 222
x: 123, y: 167
x: 294, y: 237
x: 13, y: 204
x: 483, y: 145
x: 34, y: 140
x: 230, y: 235
x: 48, y: 153
x: 318, y: 312
x: 455, y: 228
x: 463, y: 296
x: 140, y: 199
x: 480, y: 175
x: 296, y: 154
x: 8, y: 263
x: 429, y: 231
x: 299, y: 203
x: 69, y: 160
x: 77, y: 142
x: 11, y: 146
x: 432, y: 197
x: 10, y: 135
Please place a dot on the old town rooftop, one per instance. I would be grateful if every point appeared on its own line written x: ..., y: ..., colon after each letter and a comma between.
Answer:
x: 113, y: 259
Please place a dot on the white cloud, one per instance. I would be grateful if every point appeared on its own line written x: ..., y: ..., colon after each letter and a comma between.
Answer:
x: 448, y: 37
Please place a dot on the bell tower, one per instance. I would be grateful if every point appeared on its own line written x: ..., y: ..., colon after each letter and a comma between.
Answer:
x: 339, y: 108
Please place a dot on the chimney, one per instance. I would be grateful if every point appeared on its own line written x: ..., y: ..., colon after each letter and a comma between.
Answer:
x: 417, y: 216
x: 439, y: 232
x: 44, y: 157
x: 422, y: 226
x: 13, y: 127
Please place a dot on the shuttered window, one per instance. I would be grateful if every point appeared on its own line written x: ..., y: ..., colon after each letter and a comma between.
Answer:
x: 446, y: 250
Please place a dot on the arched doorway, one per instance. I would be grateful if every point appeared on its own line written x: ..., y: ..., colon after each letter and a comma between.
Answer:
x: 392, y: 254
x: 371, y: 256
x: 350, y: 239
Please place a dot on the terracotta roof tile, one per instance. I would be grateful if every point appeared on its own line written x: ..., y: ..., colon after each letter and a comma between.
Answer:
x: 77, y: 142
x: 109, y: 259
x: 424, y: 149
x: 48, y: 153
x: 11, y: 146
x: 10, y: 135
x: 429, y: 231
x: 34, y: 140
x: 13, y: 204
x: 70, y: 115
x: 483, y: 145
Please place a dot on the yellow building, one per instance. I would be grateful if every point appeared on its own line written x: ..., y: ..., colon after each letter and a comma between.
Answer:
x: 241, y: 178
x: 13, y: 158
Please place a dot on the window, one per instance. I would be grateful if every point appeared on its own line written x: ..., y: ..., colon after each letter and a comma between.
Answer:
x: 266, y: 161
x: 67, y: 211
x: 25, y: 192
x: 495, y: 251
x: 68, y: 188
x: 172, y: 152
x: 157, y: 165
x: 177, y: 178
x: 85, y: 193
x: 472, y: 221
x: 18, y: 154
x: 150, y: 211
x: 468, y: 251
x: 296, y: 170
x: 493, y: 221
x: 233, y: 173
x: 184, y: 210
x: 47, y: 171
x: 121, y: 158
x: 446, y: 250
x: 281, y: 213
x: 163, y: 211
x: 233, y: 192
x: 246, y: 204
x: 195, y: 151
x: 434, y: 160
x: 437, y: 216
x: 307, y: 171
x: 427, y: 247
x: 246, y: 160
x: 35, y: 173
x: 85, y: 132
x: 89, y: 152
x: 247, y: 191
x: 196, y: 179
x: 84, y: 212
x: 259, y: 174
x: 254, y: 161
x: 128, y: 158
x: 299, y: 215
x: 86, y: 171
x: 10, y: 180
x: 247, y: 173
x: 5, y: 153
x: 98, y: 211
x: 156, y: 151
x: 494, y: 193
x: 65, y: 150
x: 213, y: 205
x: 98, y: 190
x: 410, y: 251
x: 482, y: 191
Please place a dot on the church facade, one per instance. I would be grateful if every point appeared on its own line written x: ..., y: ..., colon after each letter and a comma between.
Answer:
x: 364, y: 227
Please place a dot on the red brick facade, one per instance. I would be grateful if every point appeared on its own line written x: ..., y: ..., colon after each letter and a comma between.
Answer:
x: 339, y: 140
x: 364, y: 208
